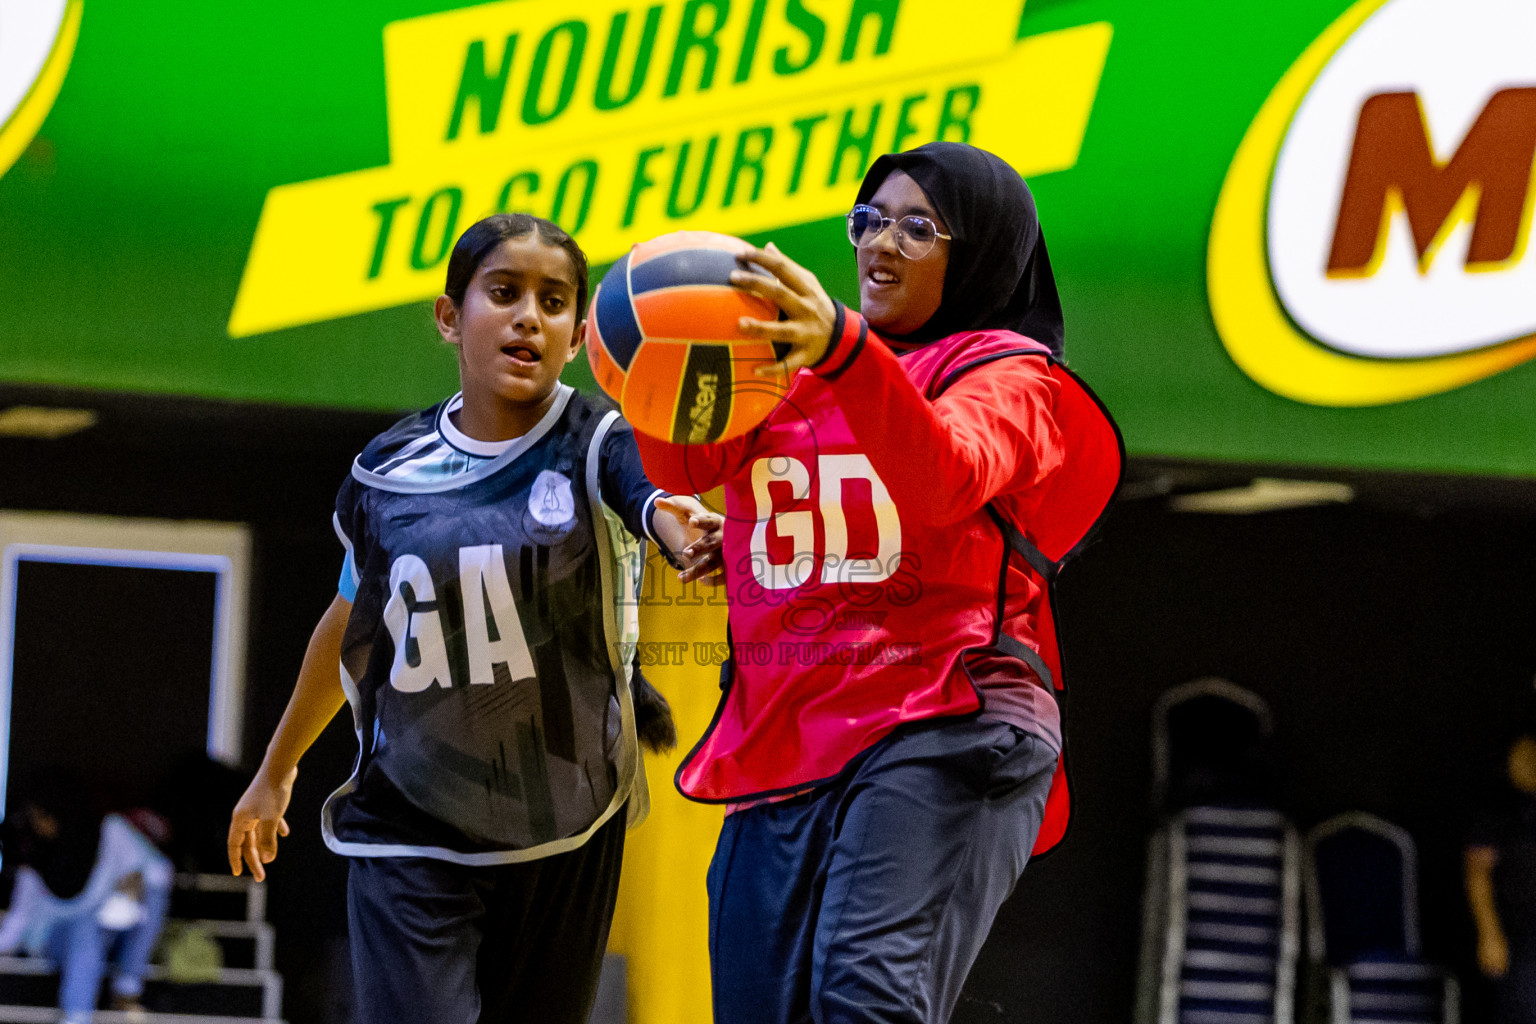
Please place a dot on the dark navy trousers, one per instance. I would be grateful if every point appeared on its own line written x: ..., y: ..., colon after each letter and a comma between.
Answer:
x: 868, y: 899
x: 439, y: 943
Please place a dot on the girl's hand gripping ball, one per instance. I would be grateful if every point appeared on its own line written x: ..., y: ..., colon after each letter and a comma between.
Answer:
x: 803, y: 329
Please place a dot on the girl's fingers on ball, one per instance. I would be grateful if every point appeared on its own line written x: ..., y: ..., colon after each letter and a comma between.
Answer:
x: 786, y: 269
x: 774, y: 291
x: 776, y: 263
x: 765, y: 258
x: 775, y: 330
x: 750, y: 282
x: 785, y: 368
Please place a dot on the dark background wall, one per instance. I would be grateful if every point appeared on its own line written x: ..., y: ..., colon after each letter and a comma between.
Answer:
x: 1393, y: 638
x: 276, y: 470
x: 1394, y: 641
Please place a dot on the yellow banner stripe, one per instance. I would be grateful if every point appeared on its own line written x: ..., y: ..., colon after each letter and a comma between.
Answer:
x: 376, y: 238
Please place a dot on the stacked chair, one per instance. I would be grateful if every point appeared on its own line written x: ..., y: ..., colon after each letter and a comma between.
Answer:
x: 1221, y: 927
x: 1363, y: 934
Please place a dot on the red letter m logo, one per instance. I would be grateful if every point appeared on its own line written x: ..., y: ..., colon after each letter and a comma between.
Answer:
x: 1393, y: 166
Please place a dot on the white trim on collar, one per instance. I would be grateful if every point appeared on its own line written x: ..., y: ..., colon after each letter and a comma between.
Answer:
x: 509, y: 454
x: 463, y: 442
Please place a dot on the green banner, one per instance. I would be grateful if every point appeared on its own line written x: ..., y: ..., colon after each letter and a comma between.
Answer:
x: 1293, y: 234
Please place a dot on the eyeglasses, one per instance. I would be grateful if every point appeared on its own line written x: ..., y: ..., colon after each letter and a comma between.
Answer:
x: 915, y: 236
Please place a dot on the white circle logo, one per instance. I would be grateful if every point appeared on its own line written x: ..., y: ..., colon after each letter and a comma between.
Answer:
x: 37, y: 40
x: 551, y: 502
x: 1371, y: 243
x: 1400, y: 213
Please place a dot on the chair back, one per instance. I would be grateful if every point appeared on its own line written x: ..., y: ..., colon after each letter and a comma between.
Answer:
x: 1210, y: 745
x: 1362, y: 891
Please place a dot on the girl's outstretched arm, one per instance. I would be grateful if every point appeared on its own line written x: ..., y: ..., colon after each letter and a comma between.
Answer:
x: 687, y: 533
x: 993, y: 431
x: 689, y: 468
x: 258, y: 819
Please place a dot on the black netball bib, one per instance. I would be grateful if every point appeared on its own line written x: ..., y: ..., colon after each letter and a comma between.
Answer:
x: 487, y: 655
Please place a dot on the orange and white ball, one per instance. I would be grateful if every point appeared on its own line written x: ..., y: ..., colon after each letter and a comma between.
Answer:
x: 663, y: 340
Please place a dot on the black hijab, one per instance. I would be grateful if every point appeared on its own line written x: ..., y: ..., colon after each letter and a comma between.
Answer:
x: 999, y: 275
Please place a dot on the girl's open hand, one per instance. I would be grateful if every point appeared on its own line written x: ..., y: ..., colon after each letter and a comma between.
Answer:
x: 256, y: 823
x: 808, y: 309
x: 701, y: 533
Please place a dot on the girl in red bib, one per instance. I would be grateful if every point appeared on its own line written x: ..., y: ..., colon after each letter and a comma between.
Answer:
x: 889, y: 740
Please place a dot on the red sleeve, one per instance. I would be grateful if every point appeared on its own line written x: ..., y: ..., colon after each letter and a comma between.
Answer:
x: 688, y: 468
x: 992, y: 432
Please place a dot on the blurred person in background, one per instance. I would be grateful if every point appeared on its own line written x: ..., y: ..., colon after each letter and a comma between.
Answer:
x: 88, y: 890
x: 1501, y: 888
